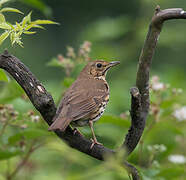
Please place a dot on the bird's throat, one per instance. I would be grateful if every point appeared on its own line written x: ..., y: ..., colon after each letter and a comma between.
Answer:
x: 100, y: 78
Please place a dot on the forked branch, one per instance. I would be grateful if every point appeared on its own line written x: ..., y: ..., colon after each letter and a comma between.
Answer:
x: 140, y: 111
x: 44, y: 103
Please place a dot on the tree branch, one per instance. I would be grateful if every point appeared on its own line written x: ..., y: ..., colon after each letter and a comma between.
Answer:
x: 140, y: 99
x: 44, y: 103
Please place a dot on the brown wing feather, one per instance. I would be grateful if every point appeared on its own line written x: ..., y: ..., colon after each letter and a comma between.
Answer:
x: 60, y: 120
x: 82, y: 109
x: 78, y: 102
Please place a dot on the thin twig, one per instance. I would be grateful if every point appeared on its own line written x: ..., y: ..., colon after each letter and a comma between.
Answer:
x: 23, y: 161
x: 4, y: 127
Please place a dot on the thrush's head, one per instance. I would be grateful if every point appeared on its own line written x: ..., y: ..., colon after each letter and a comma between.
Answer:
x: 99, y: 68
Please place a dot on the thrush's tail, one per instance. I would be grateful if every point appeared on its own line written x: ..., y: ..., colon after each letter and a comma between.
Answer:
x: 59, y: 123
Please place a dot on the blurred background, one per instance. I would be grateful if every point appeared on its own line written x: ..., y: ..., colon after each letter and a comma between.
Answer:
x: 116, y: 30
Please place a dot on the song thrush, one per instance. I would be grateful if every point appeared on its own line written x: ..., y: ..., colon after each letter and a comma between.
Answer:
x: 85, y: 101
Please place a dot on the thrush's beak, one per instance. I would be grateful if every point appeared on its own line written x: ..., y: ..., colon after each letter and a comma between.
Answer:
x: 111, y: 64
x: 114, y: 63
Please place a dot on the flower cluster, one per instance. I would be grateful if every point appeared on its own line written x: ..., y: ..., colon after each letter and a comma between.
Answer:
x: 66, y: 63
x: 7, y: 112
x: 177, y: 159
x: 72, y: 58
x: 157, y: 148
x: 9, y: 116
x: 84, y: 50
x: 156, y: 85
x: 180, y: 113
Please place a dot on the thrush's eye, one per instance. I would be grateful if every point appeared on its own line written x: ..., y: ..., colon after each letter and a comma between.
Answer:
x: 99, y: 65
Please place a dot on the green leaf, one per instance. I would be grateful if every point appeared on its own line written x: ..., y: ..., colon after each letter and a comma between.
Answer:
x: 16, y: 38
x: 68, y: 82
x: 150, y: 173
x: 38, y: 26
x: 29, y: 32
x: 33, y: 26
x: 172, y: 173
x: 3, y: 76
x: 2, y: 18
x: 18, y: 27
x: 10, y: 92
x: 3, y: 1
x: 4, y: 36
x: 8, y: 9
x: 26, y: 19
x: 20, y: 43
x: 39, y: 21
x: 19, y: 34
x: 54, y: 63
x: 8, y: 154
x: 5, y: 26
x: 12, y: 26
x: 12, y: 37
x: 27, y: 134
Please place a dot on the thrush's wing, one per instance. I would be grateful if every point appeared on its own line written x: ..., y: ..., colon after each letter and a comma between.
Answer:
x: 78, y: 103
x: 83, y: 103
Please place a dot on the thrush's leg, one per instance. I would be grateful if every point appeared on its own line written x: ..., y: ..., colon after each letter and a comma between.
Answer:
x: 94, y: 140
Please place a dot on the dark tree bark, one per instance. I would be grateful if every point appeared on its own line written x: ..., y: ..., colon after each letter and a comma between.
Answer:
x: 44, y: 103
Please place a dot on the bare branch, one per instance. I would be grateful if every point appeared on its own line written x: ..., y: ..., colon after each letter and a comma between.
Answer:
x: 140, y: 104
x: 137, y: 124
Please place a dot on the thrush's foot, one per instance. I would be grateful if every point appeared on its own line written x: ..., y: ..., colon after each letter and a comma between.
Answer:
x: 75, y: 130
x: 94, y: 141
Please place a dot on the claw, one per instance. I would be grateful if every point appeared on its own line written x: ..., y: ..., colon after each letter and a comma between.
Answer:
x: 94, y: 141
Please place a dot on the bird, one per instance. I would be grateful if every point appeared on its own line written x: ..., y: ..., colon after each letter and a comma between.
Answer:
x: 86, y: 99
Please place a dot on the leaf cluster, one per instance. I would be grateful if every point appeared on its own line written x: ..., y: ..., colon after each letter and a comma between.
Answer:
x: 15, y: 31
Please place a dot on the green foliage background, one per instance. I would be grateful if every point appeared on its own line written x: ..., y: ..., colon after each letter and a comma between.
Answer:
x: 117, y: 31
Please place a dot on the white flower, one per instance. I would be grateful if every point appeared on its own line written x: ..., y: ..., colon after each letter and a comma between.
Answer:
x: 156, y: 85
x: 180, y: 90
x: 35, y: 118
x: 180, y: 114
x: 156, y: 164
x: 157, y: 147
x: 23, y: 126
x: 177, y: 159
x: 162, y: 148
x: 177, y: 91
